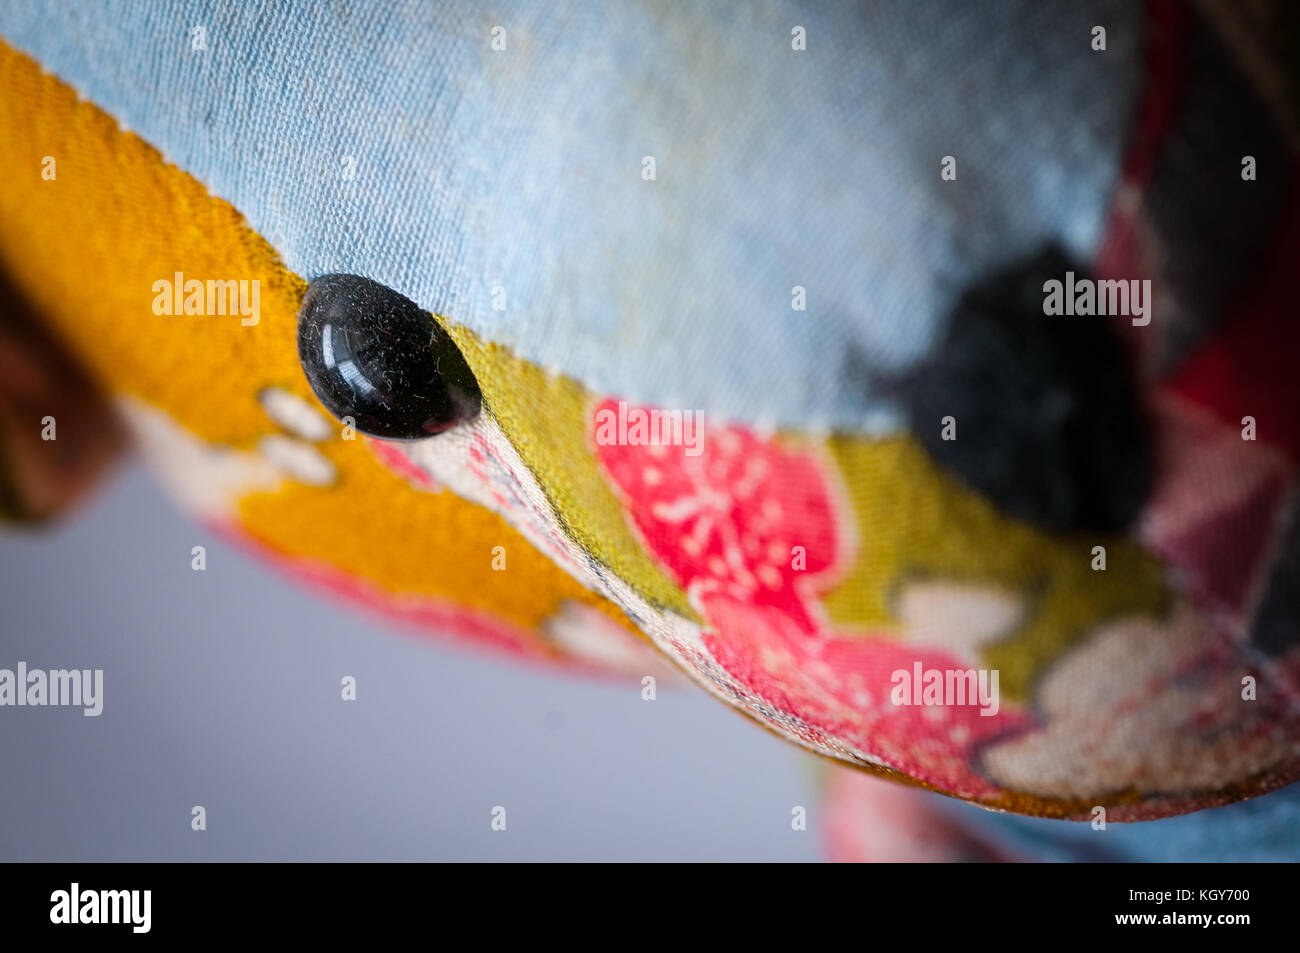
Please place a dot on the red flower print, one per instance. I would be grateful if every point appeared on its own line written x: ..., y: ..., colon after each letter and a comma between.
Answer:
x: 742, y: 517
x: 841, y: 689
x: 747, y: 527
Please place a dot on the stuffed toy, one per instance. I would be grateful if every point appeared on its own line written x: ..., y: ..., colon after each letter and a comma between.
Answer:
x: 918, y: 379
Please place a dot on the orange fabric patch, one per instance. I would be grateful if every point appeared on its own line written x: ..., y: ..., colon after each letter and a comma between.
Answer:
x: 86, y: 247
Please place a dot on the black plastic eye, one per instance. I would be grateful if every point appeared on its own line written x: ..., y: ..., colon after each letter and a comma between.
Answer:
x: 374, y: 355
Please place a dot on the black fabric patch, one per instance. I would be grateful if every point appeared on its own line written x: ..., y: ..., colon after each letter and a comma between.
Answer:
x: 1048, y: 425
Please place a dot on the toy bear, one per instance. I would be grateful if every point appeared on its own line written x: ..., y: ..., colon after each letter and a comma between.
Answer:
x: 918, y: 379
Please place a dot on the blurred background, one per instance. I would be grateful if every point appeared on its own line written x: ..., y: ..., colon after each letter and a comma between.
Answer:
x: 222, y: 689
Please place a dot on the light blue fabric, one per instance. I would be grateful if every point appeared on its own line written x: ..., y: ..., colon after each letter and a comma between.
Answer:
x: 1262, y: 829
x: 522, y: 169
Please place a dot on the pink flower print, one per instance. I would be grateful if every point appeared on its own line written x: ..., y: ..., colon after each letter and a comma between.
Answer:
x: 743, y: 518
x: 839, y: 689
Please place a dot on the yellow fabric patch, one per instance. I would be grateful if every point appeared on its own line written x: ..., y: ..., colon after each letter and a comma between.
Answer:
x: 545, y: 417
x: 916, y: 522
x: 373, y: 526
x: 86, y: 248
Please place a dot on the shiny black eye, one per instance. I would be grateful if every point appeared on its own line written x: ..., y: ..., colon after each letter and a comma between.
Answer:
x: 375, y: 356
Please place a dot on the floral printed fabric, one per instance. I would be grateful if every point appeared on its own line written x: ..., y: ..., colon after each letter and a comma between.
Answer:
x: 749, y: 530
x: 795, y: 576
x: 1148, y: 705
